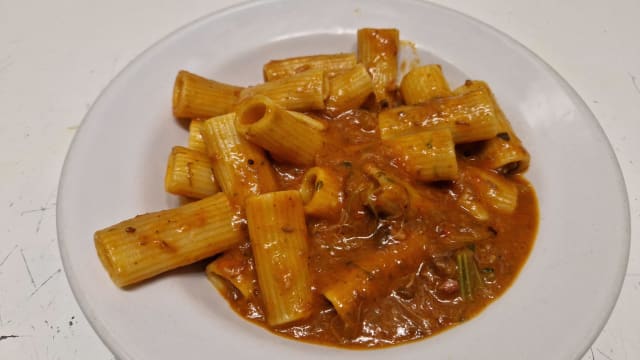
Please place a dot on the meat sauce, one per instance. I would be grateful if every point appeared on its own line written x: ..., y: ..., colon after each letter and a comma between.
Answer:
x: 414, y: 289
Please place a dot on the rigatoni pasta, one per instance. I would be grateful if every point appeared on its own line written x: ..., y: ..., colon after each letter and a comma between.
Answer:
x: 424, y: 83
x: 505, y: 151
x: 321, y: 191
x: 301, y: 92
x: 357, y: 280
x: 234, y: 267
x: 196, y: 142
x: 470, y: 117
x: 279, y: 242
x: 292, y: 137
x: 349, y: 90
x: 331, y: 64
x: 427, y: 155
x: 150, y: 244
x: 492, y: 189
x: 195, y: 96
x: 469, y: 202
x: 189, y: 174
x: 240, y: 167
x: 354, y: 211
x: 378, y: 52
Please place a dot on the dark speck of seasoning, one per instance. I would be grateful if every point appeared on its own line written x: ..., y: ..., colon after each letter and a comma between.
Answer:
x: 130, y: 229
x: 250, y: 162
x: 287, y: 229
x: 70, y: 323
x: 493, y: 230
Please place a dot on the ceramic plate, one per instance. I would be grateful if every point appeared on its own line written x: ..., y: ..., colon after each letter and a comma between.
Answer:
x: 115, y: 168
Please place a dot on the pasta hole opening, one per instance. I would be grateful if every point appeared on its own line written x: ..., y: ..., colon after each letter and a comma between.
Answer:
x: 224, y: 286
x: 511, y: 168
x: 253, y: 113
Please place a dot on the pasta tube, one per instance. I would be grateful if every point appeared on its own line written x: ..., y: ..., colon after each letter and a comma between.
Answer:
x: 301, y: 92
x: 278, y: 235
x: 505, y: 154
x: 291, y: 137
x: 505, y: 151
x: 321, y: 192
x: 469, y: 202
x: 233, y: 267
x: 363, y: 279
x: 240, y: 167
x: 195, y: 96
x: 378, y: 52
x: 147, y: 245
x: 349, y: 90
x: 196, y: 142
x: 493, y: 189
x: 427, y: 155
x: 424, y: 83
x: 470, y: 117
x: 189, y: 174
x: 332, y: 64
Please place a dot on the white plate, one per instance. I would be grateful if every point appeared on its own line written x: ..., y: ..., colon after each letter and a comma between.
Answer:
x: 115, y: 170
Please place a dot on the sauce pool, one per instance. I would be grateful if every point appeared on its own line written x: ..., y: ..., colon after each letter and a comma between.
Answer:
x: 413, y: 288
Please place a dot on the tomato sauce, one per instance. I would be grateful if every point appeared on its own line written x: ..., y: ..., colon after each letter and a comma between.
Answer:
x: 407, y: 241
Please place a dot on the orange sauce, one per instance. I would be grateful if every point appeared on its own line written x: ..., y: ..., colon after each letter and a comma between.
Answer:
x: 416, y: 292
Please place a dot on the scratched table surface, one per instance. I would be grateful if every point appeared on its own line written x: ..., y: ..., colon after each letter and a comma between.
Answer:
x: 56, y: 57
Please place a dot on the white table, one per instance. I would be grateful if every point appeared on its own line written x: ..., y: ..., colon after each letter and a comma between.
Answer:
x: 56, y: 57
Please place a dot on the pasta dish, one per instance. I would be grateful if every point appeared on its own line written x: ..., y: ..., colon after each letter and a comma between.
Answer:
x: 340, y: 202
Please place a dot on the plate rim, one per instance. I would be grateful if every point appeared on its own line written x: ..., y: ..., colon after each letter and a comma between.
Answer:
x: 120, y: 352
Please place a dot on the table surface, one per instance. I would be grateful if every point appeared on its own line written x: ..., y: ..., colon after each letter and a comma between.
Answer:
x: 56, y: 57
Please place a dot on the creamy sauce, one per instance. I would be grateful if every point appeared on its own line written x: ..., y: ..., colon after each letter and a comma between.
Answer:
x: 412, y: 288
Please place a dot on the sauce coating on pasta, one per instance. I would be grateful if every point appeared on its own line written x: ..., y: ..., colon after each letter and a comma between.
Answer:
x: 338, y: 205
x: 410, y: 245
